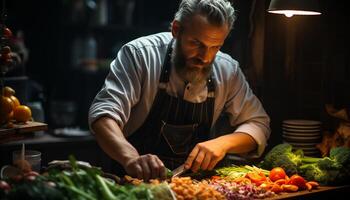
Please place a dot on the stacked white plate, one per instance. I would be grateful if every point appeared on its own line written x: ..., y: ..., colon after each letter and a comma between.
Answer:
x: 302, y: 134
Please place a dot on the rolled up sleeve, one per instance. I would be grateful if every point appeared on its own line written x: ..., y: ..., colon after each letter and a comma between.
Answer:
x: 121, y: 89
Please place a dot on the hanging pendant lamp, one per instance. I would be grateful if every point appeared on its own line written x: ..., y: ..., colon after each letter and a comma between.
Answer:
x: 294, y: 7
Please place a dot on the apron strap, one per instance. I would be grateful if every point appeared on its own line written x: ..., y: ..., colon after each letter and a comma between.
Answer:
x: 165, y: 74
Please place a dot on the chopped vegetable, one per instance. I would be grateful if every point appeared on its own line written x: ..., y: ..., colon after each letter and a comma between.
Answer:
x: 235, y: 171
x: 298, y: 181
x: 277, y: 173
x: 283, y: 156
x: 233, y: 190
x: 332, y: 170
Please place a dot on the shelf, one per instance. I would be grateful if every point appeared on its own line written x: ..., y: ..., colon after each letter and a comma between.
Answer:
x: 21, y: 131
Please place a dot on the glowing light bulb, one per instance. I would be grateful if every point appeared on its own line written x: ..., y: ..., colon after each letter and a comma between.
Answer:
x: 288, y: 14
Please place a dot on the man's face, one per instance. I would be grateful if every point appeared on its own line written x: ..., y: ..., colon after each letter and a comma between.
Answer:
x: 197, y: 42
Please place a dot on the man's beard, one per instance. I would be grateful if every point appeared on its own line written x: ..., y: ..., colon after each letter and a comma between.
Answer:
x: 190, y: 74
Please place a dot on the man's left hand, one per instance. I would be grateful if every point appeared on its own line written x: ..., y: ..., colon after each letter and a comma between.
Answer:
x: 205, y: 155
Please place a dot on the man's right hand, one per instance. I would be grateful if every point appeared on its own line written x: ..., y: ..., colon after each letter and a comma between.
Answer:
x: 145, y: 167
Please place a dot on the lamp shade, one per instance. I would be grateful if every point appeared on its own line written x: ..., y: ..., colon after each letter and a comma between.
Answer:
x: 294, y: 7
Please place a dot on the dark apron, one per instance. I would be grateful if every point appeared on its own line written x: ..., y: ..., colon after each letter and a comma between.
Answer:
x: 174, y: 126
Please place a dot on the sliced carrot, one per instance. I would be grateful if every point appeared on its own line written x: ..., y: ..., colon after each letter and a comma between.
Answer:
x: 314, y: 184
x: 276, y: 188
x: 266, y: 186
x: 280, y: 182
x: 289, y: 188
x: 308, y: 186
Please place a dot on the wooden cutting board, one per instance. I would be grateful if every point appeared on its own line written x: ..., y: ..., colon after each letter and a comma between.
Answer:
x: 319, y: 192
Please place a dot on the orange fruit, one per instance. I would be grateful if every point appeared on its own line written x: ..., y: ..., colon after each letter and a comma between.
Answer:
x: 8, y: 91
x: 6, y: 105
x: 22, y: 113
x: 15, y: 101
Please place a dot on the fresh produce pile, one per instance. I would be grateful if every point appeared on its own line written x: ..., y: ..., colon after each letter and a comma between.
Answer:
x: 332, y: 170
x: 239, y: 190
x: 90, y: 183
x: 247, y: 182
x: 186, y: 188
x: 78, y: 183
x: 288, y: 172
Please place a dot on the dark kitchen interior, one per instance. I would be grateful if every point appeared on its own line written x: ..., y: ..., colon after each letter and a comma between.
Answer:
x: 294, y: 65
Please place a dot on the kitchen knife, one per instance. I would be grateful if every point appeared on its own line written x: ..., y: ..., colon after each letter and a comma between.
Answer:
x: 179, y: 170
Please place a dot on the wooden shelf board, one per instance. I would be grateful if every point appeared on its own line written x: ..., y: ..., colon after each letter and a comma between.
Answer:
x: 21, y: 131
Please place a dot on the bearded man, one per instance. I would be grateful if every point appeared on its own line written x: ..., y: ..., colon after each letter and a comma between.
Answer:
x: 165, y: 92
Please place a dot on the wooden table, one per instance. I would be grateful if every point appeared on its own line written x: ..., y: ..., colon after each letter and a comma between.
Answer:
x: 323, y: 192
x: 21, y: 131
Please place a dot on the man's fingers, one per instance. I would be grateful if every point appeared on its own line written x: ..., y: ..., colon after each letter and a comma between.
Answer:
x: 162, y: 169
x: 206, y: 162
x: 198, y: 161
x: 191, y: 157
x: 154, y: 166
x: 138, y: 171
x: 146, y: 171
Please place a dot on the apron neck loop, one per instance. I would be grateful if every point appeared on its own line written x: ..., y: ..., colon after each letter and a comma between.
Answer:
x: 164, y: 78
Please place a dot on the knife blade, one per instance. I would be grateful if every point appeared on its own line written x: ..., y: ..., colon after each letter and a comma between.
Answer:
x: 179, y: 170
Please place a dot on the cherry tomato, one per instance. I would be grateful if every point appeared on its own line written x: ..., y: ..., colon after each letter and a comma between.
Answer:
x: 277, y: 173
x: 298, y: 181
x: 7, y: 33
x: 31, y: 173
x: 5, y: 56
x: 4, y: 186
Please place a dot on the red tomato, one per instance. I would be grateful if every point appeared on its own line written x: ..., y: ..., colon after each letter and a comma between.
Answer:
x: 31, y: 173
x: 7, y: 32
x: 4, y: 186
x: 277, y: 173
x: 298, y: 181
x: 5, y: 56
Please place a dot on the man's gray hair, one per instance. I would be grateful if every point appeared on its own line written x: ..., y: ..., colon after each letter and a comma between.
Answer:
x: 218, y: 12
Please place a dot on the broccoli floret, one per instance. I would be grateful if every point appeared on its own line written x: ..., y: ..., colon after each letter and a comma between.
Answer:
x: 332, y: 170
x: 282, y: 156
x: 299, y: 153
x: 341, y: 155
x: 328, y: 163
x: 338, y: 159
x: 312, y: 172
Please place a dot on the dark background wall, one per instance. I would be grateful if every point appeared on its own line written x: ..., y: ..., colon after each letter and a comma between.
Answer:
x: 320, y: 71
x: 318, y: 74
